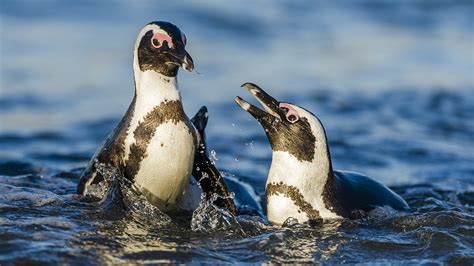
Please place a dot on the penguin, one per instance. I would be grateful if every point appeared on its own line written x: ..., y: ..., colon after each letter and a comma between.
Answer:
x: 301, y: 182
x: 156, y: 146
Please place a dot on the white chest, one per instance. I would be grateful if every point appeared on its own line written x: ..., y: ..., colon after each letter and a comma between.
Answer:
x: 164, y: 173
x: 298, y: 192
x: 162, y: 160
x: 280, y: 208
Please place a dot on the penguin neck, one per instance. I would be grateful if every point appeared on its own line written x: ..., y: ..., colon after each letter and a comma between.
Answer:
x: 153, y: 88
x: 307, y: 176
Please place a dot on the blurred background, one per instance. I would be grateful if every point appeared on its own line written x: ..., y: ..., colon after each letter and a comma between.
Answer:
x: 378, y: 73
x: 396, y: 76
x: 64, y: 62
x: 392, y: 82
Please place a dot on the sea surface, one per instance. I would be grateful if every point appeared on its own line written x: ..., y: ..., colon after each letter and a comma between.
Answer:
x: 392, y: 81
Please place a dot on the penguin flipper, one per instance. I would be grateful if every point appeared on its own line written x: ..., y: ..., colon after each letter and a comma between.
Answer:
x: 359, y: 192
x: 90, y: 175
x: 204, y: 170
x: 86, y: 178
x: 110, y: 152
x: 200, y: 122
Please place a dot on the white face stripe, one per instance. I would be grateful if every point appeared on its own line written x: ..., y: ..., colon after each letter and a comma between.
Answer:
x: 147, y: 28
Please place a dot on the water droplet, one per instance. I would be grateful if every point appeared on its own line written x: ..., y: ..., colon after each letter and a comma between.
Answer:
x: 214, y: 155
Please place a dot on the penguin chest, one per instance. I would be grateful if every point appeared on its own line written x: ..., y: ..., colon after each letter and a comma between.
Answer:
x: 164, y: 171
x: 281, y: 207
x: 285, y: 200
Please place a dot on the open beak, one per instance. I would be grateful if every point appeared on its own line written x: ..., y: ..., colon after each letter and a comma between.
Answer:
x: 271, y: 114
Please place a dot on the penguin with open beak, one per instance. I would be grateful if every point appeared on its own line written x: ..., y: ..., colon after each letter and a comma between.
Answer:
x: 301, y: 182
x: 156, y: 146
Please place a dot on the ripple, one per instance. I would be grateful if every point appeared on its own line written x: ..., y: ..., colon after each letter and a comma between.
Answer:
x: 12, y: 168
x: 396, y: 105
x: 27, y: 196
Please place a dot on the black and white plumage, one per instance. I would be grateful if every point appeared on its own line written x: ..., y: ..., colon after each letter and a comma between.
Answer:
x: 301, y: 182
x: 155, y: 145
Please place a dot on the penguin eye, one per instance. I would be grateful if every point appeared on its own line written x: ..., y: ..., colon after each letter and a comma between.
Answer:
x: 292, y: 118
x: 291, y: 113
x: 156, y: 43
x: 158, y: 39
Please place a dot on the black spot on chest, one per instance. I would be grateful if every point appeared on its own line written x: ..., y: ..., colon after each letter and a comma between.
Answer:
x: 168, y: 111
x: 295, y: 195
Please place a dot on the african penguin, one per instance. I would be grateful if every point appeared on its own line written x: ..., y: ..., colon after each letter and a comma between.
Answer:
x: 301, y: 182
x: 155, y: 145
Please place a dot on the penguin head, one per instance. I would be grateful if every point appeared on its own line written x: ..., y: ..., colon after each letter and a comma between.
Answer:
x: 289, y: 128
x: 160, y: 47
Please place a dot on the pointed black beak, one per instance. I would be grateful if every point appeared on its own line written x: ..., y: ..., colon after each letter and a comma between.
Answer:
x: 272, y: 113
x: 187, y: 62
x: 181, y: 58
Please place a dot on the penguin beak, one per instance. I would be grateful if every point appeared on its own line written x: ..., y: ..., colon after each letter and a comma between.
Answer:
x: 187, y: 62
x: 272, y: 113
x: 182, y: 58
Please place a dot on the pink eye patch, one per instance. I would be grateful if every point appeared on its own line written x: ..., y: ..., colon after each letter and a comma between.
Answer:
x: 158, y: 39
x: 292, y: 114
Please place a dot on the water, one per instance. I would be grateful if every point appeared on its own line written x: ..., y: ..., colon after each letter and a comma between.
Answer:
x: 391, y: 81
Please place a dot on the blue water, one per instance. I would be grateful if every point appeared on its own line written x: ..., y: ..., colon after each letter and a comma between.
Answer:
x: 393, y: 83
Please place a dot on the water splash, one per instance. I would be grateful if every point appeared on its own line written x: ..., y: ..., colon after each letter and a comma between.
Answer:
x: 214, y: 157
x: 209, y: 218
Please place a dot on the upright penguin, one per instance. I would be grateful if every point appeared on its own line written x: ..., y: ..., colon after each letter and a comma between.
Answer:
x: 155, y: 145
x: 301, y: 182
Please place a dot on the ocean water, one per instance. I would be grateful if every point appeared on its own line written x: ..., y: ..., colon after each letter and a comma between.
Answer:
x: 392, y: 81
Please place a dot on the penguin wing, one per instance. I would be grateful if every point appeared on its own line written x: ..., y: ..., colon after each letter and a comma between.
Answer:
x: 110, y: 153
x: 90, y: 174
x: 361, y: 192
x: 204, y: 170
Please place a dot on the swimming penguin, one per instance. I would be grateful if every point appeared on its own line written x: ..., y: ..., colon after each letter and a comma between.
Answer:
x: 155, y: 145
x: 301, y: 182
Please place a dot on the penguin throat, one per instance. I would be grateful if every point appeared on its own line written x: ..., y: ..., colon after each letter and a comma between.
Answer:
x: 155, y: 88
x: 307, y: 176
